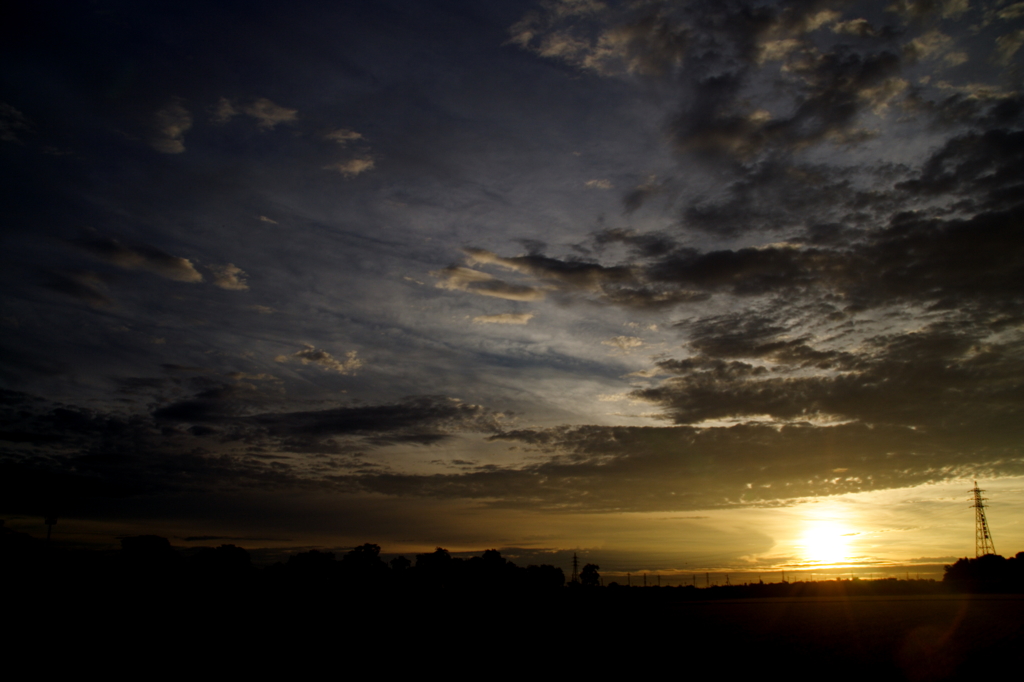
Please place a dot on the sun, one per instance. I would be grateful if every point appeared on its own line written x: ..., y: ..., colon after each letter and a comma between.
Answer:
x: 825, y: 542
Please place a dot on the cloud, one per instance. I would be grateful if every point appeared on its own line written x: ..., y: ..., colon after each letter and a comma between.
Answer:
x: 422, y: 419
x: 815, y: 21
x: 720, y: 57
x: 927, y: 45
x: 457, y: 278
x: 952, y: 9
x: 575, y: 274
x: 343, y: 136
x: 170, y: 125
x: 504, y: 318
x: 601, y: 469
x: 12, y: 122
x: 568, y: 277
x: 613, y: 284
x: 833, y: 88
x: 644, y: 245
x: 624, y: 343
x: 223, y: 439
x: 269, y: 115
x: 229, y: 277
x: 352, y: 167
x: 141, y: 258
x: 916, y: 259
x: 265, y: 219
x: 599, y: 184
x: 218, y: 441
x: 640, y: 39
x: 1007, y: 46
x: 856, y: 27
x: 937, y: 380
x: 88, y: 287
x: 1012, y: 12
x: 316, y: 356
x: 924, y: 257
x: 777, y: 50
x: 956, y: 58
x: 919, y: 9
x: 224, y: 111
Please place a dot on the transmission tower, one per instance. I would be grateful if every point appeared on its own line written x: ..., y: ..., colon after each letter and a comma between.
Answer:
x: 982, y: 537
x: 575, y: 569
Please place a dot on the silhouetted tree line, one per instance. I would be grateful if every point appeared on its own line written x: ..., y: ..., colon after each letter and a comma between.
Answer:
x: 362, y: 569
x: 149, y: 563
x: 989, y: 573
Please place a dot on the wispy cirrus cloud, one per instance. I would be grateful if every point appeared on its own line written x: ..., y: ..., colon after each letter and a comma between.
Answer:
x: 343, y: 136
x: 229, y: 276
x: 315, y: 356
x: 140, y: 257
x: 86, y: 286
x: 457, y: 278
x: 267, y: 114
x: 169, y: 127
x: 13, y: 123
x: 352, y: 167
x: 503, y: 318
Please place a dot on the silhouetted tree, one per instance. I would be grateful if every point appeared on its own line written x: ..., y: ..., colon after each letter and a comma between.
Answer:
x: 226, y: 560
x: 148, y: 557
x: 363, y: 559
x: 490, y: 572
x: 589, y: 576
x: 223, y: 569
x: 362, y: 567
x: 545, y: 577
x: 311, y: 567
x: 434, y: 569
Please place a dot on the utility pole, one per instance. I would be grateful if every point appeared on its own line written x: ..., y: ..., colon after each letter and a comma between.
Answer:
x: 982, y: 537
x: 575, y: 569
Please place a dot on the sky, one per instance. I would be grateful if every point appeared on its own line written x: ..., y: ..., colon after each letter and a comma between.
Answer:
x: 675, y: 285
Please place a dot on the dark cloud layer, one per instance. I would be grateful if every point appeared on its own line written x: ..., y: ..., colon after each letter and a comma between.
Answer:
x: 67, y: 455
x: 602, y: 469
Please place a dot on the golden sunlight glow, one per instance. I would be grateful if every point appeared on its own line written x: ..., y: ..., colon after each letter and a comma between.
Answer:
x: 825, y: 542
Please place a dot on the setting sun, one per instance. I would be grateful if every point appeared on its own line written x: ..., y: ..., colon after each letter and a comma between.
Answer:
x: 825, y: 542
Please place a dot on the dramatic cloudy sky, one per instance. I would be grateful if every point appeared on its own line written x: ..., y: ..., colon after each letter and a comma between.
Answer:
x: 671, y: 283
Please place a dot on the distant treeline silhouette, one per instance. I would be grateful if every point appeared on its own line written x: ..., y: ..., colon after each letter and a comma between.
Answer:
x: 989, y: 573
x: 150, y: 563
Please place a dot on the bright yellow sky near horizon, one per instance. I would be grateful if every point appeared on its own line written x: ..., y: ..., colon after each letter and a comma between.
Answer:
x: 887, y: 532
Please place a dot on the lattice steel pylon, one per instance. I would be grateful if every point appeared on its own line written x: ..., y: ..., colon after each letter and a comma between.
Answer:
x: 575, y: 569
x: 982, y: 536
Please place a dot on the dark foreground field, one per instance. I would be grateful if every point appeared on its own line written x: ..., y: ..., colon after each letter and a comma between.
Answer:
x: 148, y: 608
x: 577, y: 636
x: 916, y: 638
